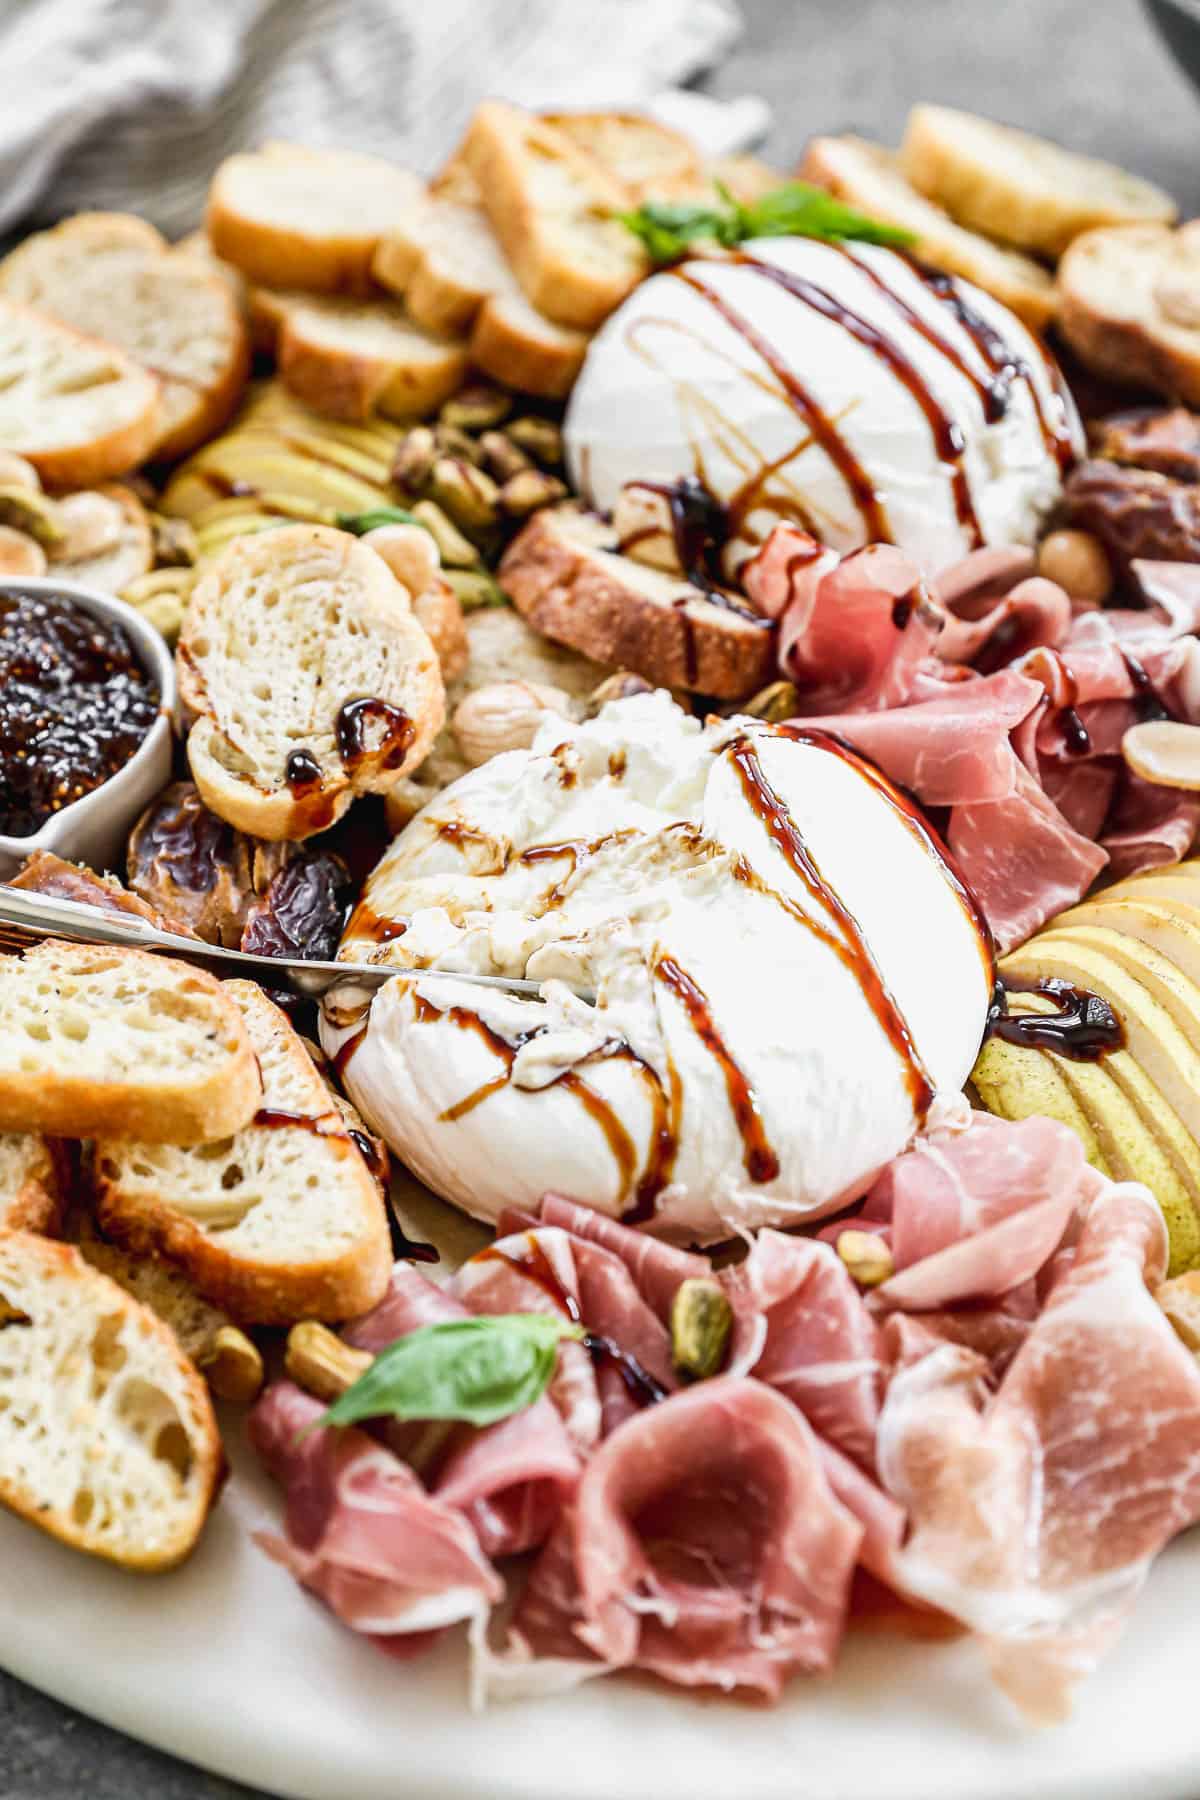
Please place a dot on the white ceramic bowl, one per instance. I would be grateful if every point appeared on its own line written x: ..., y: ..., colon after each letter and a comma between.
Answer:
x: 93, y: 829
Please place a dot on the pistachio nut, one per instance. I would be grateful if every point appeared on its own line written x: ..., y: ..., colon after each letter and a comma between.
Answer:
x: 774, y: 703
x: 501, y: 457
x: 317, y: 1360
x: 529, y: 490
x: 414, y: 458
x: 475, y: 588
x: 453, y: 442
x: 175, y: 545
x: 476, y: 408
x: 232, y: 1365
x: 468, y: 494
x: 542, y: 438
x: 33, y: 513
x: 701, y: 1321
x: 456, y: 551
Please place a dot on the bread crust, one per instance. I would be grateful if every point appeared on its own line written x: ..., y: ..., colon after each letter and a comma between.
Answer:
x: 383, y: 606
x: 41, y: 1091
x: 578, y: 594
x: 258, y: 1289
x: 503, y: 149
x: 1110, y: 316
x: 352, y: 383
x: 30, y: 1264
x: 512, y: 343
x: 108, y: 453
x: 322, y: 254
x: 867, y: 176
x: 33, y: 1197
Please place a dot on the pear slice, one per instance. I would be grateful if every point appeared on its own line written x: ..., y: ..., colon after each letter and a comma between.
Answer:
x: 1162, y: 1121
x: 1133, y: 1153
x: 1169, y: 928
x: 1178, y: 881
x: 257, y: 465
x: 1152, y: 1037
x: 326, y: 452
x: 274, y: 405
x: 1162, y: 978
x: 1015, y: 1082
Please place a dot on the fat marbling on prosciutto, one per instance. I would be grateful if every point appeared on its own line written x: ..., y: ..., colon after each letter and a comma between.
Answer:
x: 1007, y: 1431
x: 998, y: 703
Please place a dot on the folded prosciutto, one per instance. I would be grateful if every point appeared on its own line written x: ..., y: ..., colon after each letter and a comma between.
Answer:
x: 1037, y: 1506
x: 361, y: 1533
x: 705, y: 1544
x: 998, y: 704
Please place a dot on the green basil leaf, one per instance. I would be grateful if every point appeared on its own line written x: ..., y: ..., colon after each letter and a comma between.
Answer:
x: 800, y: 210
x: 362, y: 522
x: 668, y: 229
x: 478, y: 1370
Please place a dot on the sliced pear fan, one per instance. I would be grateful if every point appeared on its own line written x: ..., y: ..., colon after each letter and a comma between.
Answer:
x: 1016, y: 1082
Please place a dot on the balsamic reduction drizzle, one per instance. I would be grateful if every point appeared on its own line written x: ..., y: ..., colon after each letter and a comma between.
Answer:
x: 538, y: 1268
x: 1083, y: 1027
x: 761, y: 1162
x: 301, y: 770
x: 1148, y: 702
x: 351, y: 732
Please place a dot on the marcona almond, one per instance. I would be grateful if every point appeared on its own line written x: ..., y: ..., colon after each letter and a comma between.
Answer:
x: 409, y: 552
x: 642, y: 522
x: 16, y: 472
x: 505, y: 716
x: 1164, y: 751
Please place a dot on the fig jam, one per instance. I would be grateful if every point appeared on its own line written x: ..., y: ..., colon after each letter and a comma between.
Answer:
x: 75, y: 704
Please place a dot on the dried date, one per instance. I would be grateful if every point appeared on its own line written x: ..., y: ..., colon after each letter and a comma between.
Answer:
x: 303, y: 910
x: 1166, y: 441
x: 1136, y: 513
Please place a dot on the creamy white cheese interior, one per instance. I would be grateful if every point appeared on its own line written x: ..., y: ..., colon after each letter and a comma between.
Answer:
x: 781, y: 976
x: 833, y: 385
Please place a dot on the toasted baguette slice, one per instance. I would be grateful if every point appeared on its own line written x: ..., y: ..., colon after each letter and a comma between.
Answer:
x: 107, y: 1434
x: 1129, y: 303
x: 552, y: 209
x: 95, y: 1039
x: 1019, y: 188
x: 96, y: 272
x: 454, y: 277
x: 286, y: 1223
x: 32, y: 1183
x: 564, y: 575
x: 198, y: 246
x: 79, y: 410
x: 290, y: 217
x: 870, y: 177
x: 283, y: 632
x: 647, y: 158
x: 746, y: 177
x: 445, y: 261
x: 352, y: 358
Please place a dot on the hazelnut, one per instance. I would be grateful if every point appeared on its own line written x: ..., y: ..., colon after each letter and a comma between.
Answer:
x: 20, y: 555
x: 505, y: 716
x: 409, y: 552
x: 1077, y: 561
x: 642, y: 521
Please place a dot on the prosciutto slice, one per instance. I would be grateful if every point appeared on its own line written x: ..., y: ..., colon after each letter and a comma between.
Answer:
x: 705, y: 1544
x: 391, y: 1561
x: 510, y: 1479
x: 816, y: 1342
x: 987, y: 692
x: 1036, y: 1507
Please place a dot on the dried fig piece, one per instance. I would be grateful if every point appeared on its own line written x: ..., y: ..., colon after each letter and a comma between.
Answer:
x: 1135, y: 513
x: 199, y: 872
x: 303, y: 910
x: 1167, y: 441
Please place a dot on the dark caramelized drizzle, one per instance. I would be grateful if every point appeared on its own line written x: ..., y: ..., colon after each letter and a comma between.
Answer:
x: 351, y: 732
x: 328, y: 1124
x: 699, y: 527
x: 342, y: 1055
x: 366, y: 922
x: 820, y: 426
x: 945, y: 431
x: 1062, y: 691
x: 301, y: 771
x: 1148, y: 702
x: 639, y: 1382
x: 1083, y: 1027
x: 1006, y: 367
x: 847, y: 941
x: 406, y: 1249
x: 761, y: 1162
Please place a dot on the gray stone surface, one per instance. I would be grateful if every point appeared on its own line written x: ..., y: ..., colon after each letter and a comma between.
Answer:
x: 1089, y: 71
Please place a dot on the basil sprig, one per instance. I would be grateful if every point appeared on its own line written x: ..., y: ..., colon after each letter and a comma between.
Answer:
x: 668, y: 229
x: 478, y: 1370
